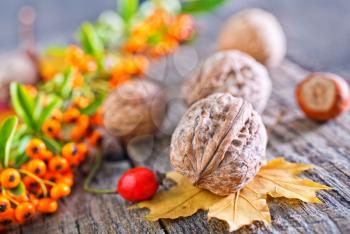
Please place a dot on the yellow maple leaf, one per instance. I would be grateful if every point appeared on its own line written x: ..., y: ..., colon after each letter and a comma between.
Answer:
x: 180, y: 201
x: 241, y: 208
x: 279, y: 179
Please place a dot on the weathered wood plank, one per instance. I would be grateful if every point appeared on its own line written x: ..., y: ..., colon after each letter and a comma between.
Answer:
x: 299, y: 140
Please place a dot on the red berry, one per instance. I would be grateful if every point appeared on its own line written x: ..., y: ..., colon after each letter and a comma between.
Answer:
x: 138, y: 184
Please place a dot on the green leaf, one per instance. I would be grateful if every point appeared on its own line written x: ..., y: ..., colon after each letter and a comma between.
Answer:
x: 66, y: 86
x: 91, y: 43
x: 19, y: 106
x: 51, y: 144
x: 55, y: 102
x: 127, y: 8
x: 199, y: 6
x: 92, y: 108
x: 55, y: 51
x: 6, y: 135
x: 20, y: 159
x: 19, y: 190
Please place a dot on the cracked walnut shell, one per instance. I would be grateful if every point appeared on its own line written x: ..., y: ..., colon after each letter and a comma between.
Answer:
x: 219, y: 144
x: 233, y: 72
x: 135, y: 108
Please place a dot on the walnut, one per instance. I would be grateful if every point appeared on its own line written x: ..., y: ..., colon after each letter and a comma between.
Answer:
x: 133, y: 109
x: 257, y: 33
x: 219, y: 144
x: 230, y: 71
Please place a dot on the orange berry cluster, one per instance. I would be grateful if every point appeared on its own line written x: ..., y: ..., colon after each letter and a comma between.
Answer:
x: 76, y: 57
x: 73, y: 56
x: 160, y: 33
x: 127, y: 67
x: 71, y: 125
x: 46, y: 178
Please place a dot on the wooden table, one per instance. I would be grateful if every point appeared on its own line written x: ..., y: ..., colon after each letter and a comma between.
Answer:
x: 296, y: 138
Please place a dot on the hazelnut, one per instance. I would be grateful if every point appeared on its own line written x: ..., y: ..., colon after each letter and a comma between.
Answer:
x: 233, y: 72
x: 323, y: 96
x: 219, y: 144
x: 257, y: 33
x: 133, y: 109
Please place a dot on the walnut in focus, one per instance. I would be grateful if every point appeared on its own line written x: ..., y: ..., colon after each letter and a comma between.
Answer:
x: 133, y: 109
x: 257, y: 33
x: 219, y: 144
x: 323, y: 96
x: 233, y: 72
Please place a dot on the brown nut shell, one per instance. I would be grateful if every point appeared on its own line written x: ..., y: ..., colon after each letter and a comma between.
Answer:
x: 256, y: 32
x: 219, y: 144
x: 135, y: 108
x: 233, y: 72
x: 323, y: 96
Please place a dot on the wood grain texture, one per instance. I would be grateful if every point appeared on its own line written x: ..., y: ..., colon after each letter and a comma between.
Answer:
x: 296, y: 138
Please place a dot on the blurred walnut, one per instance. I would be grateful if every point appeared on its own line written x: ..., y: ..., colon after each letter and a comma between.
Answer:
x: 257, y: 33
x: 16, y: 67
x: 219, y: 144
x: 135, y: 108
x: 233, y: 72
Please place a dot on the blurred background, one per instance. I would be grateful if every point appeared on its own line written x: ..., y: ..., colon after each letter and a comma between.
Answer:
x: 318, y: 31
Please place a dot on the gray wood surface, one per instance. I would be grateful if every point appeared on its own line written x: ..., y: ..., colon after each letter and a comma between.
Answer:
x: 296, y: 138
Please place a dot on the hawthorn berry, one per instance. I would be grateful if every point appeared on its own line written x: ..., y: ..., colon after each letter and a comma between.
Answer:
x: 24, y: 211
x: 47, y: 205
x: 138, y: 184
x: 35, y: 148
x: 59, y: 190
x: 37, y: 167
x: 10, y: 178
x: 4, y: 204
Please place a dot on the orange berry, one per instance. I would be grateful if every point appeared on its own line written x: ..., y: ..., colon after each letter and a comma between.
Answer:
x: 10, y: 178
x: 71, y: 115
x: 52, y: 176
x: 81, y: 102
x: 34, y: 200
x: 67, y: 179
x: 77, y: 134
x: 35, y: 148
x: 89, y: 64
x: 37, y: 167
x: 71, y: 153
x: 78, y: 80
x: 32, y: 185
x: 47, y: 206
x: 46, y: 155
x: 4, y: 204
x: 51, y: 128
x: 59, y: 164
x: 8, y: 217
x: 59, y: 190
x: 95, y: 138
x: 57, y: 115
x: 24, y: 211
x: 83, y: 121
x: 74, y: 55
x: 97, y: 118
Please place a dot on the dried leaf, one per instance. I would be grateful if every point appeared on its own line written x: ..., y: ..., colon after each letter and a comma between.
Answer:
x: 279, y: 179
x: 241, y: 208
x: 180, y: 201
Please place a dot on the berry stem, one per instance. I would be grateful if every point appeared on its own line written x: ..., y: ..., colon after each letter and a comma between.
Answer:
x: 97, y: 165
x: 10, y: 199
x: 40, y: 181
